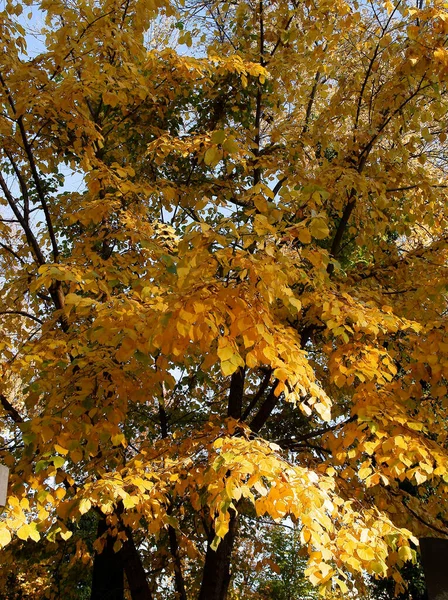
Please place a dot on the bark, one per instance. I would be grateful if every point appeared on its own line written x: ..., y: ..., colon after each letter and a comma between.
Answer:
x: 135, y: 573
x: 172, y: 535
x: 265, y: 410
x: 108, y: 570
x: 178, y: 576
x: 236, y: 393
x: 217, y: 573
x: 434, y: 552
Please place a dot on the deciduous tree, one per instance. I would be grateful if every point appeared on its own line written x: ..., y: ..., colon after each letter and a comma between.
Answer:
x: 241, y: 310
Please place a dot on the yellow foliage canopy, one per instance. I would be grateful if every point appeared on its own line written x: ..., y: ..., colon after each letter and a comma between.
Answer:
x: 240, y: 311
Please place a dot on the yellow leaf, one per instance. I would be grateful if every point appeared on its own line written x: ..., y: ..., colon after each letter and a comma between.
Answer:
x: 111, y: 99
x: 260, y: 204
x: 318, y: 228
x: 405, y: 553
x: 339, y: 379
x: 60, y: 493
x: 296, y: 303
x: 23, y: 532
x: 364, y: 472
x: 228, y: 368
x: 118, y: 439
x: 5, y: 537
x: 84, y: 506
x: 230, y: 145
x: 46, y: 432
x: 365, y: 553
x: 400, y: 442
x: 221, y: 528
x: 342, y: 585
x: 218, y: 137
x: 304, y: 235
x: 225, y: 352
x: 34, y: 534
x: 60, y: 449
x: 72, y: 299
x: 212, y: 156
x: 420, y: 477
x: 76, y: 455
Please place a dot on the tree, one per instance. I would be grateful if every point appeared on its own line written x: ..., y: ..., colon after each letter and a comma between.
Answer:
x: 242, y: 309
x: 286, y: 581
x: 415, y: 585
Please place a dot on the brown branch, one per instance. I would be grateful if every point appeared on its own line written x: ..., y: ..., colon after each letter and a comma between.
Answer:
x: 39, y: 257
x: 236, y: 393
x: 9, y: 408
x: 309, y: 107
x: 366, y: 151
x: 422, y: 520
x: 415, y: 514
x: 34, y: 171
x: 13, y: 252
x: 23, y: 314
x: 258, y: 108
x: 313, y: 434
x: 370, y: 67
x: 295, y: 447
x: 58, y: 68
x: 400, y: 291
x: 172, y: 535
x: 39, y: 189
x: 23, y: 188
x: 335, y: 247
x: 336, y: 244
x: 278, y: 185
x: 56, y: 292
x: 261, y: 390
x: 279, y: 39
x: 265, y: 409
x: 174, y: 549
x: 403, y: 189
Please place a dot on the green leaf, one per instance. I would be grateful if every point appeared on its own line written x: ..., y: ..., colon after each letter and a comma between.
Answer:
x: 58, y: 461
x: 214, y: 545
x: 41, y: 465
x: 218, y: 137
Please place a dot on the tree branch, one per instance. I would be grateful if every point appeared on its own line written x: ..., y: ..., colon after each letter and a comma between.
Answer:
x: 265, y: 409
x: 313, y: 434
x: 23, y: 188
x: 9, y: 408
x: 261, y: 390
x: 23, y: 314
x: 309, y: 107
x: 34, y: 171
x: 39, y: 257
x: 236, y: 393
x: 13, y: 252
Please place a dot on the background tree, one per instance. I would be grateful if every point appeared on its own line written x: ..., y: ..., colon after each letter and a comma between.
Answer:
x: 286, y: 580
x: 241, y: 312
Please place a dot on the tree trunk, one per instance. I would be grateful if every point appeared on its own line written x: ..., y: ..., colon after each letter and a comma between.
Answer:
x: 108, y: 570
x: 178, y: 576
x: 434, y: 556
x: 135, y: 573
x: 217, y: 572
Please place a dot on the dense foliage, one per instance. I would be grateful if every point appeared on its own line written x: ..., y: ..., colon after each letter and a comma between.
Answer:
x: 238, y: 312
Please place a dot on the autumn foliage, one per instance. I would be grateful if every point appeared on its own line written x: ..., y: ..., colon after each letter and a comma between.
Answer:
x: 223, y: 271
